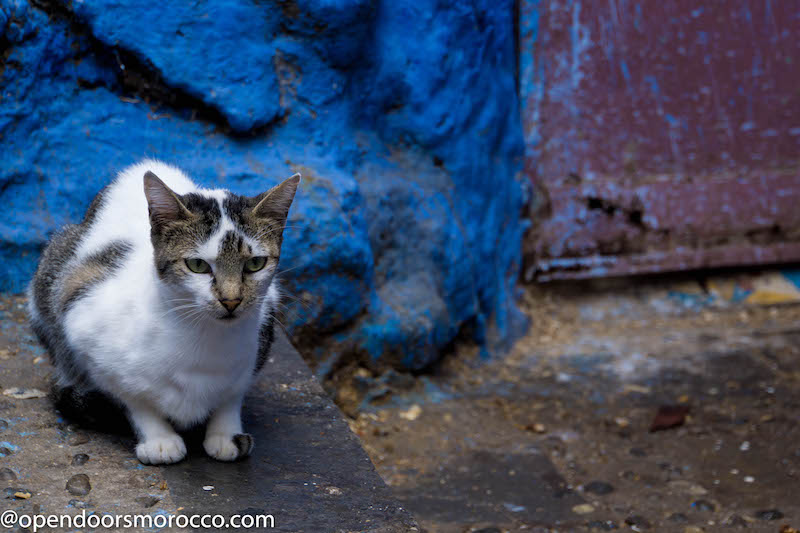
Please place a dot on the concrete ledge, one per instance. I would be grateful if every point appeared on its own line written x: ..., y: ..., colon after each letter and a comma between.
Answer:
x: 308, y: 470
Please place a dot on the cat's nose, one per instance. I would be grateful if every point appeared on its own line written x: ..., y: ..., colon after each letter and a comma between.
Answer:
x: 230, y: 305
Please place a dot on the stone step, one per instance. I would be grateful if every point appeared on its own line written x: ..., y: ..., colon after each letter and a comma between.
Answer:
x: 308, y: 470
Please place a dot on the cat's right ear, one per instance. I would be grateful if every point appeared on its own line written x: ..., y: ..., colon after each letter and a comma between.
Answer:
x: 163, y: 205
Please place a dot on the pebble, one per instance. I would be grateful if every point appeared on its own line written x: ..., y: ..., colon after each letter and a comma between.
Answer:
x: 583, y: 508
x: 744, y: 446
x: 638, y: 523
x: 412, y: 413
x: 78, y: 504
x: 769, y: 514
x: 637, y: 452
x: 749, y: 479
x: 76, y: 439
x: 602, y: 525
x: 79, y: 459
x: 598, y: 487
x: 6, y: 449
x: 678, y: 518
x: 208, y: 487
x: 490, y: 529
x: 736, y: 521
x: 3, y: 424
x: 6, y: 474
x: 693, y: 529
x: 703, y: 505
x: 24, y: 394
x: 147, y: 501
x: 79, y: 485
x: 17, y: 493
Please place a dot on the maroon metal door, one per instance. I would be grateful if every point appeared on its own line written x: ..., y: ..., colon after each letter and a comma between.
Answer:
x: 660, y: 135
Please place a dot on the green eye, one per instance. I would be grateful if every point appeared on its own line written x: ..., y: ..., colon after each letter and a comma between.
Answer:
x: 198, y: 266
x: 254, y: 264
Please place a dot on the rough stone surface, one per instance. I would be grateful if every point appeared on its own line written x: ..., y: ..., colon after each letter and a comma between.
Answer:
x: 401, y: 116
x: 307, y: 469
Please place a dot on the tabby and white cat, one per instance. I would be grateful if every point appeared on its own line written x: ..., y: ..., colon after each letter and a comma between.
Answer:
x: 162, y: 300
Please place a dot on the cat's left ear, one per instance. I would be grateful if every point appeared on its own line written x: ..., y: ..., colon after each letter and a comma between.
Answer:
x: 275, y: 203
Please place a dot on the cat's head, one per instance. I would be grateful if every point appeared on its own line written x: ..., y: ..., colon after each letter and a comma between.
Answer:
x: 219, y: 251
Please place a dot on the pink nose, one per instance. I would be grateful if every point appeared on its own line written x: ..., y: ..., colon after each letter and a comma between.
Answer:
x: 230, y: 305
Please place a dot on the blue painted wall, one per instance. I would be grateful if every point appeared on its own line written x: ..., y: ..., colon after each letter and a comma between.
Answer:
x: 401, y: 115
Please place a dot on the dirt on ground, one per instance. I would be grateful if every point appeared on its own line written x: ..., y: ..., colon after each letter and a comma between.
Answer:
x: 650, y: 405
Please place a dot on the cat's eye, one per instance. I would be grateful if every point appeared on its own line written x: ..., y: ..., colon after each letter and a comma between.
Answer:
x: 198, y: 266
x: 254, y: 264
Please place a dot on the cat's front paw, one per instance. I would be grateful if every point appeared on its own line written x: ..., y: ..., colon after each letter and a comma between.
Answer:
x: 228, y: 447
x: 162, y: 450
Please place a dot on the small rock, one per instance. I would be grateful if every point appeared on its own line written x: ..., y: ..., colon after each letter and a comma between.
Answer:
x: 769, y: 514
x: 602, y: 525
x: 412, y: 413
x: 3, y: 424
x: 490, y: 529
x: 749, y: 479
x: 208, y: 487
x: 688, y: 487
x: 735, y: 521
x: 703, y: 505
x: 24, y: 394
x: 637, y: 452
x: 17, y: 493
x: 669, y: 416
x: 6, y: 474
x: 678, y: 518
x: 583, y: 508
x: 513, y: 507
x: 76, y: 439
x: 79, y: 459
x: 147, y: 501
x: 334, y: 491
x: 6, y: 449
x: 599, y: 487
x: 79, y: 485
x: 638, y: 523
x: 629, y: 475
x: 693, y: 529
x: 78, y: 504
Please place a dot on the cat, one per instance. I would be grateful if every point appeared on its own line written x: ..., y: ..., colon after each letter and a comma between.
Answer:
x: 162, y: 300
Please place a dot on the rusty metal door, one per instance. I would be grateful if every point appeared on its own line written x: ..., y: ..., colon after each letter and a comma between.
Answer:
x: 660, y: 135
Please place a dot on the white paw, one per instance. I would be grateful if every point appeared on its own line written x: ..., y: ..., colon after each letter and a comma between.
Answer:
x: 162, y: 450
x: 228, y: 447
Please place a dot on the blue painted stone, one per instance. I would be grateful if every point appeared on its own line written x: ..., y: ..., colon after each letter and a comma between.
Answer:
x: 401, y: 115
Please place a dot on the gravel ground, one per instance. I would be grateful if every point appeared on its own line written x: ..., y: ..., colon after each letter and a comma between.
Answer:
x: 558, y: 435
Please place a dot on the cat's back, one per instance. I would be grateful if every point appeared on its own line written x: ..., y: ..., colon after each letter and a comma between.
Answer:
x: 115, y: 233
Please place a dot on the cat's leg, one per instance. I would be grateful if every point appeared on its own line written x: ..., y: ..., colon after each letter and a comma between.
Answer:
x: 225, y: 440
x: 158, y: 441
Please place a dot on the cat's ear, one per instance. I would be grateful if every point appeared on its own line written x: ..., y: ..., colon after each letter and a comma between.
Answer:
x: 163, y: 205
x: 275, y: 203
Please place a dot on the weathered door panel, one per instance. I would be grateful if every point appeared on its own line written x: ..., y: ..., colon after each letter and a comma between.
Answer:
x: 660, y: 135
